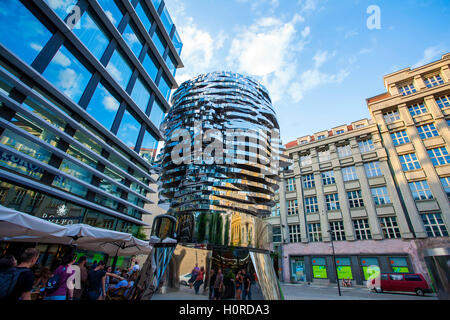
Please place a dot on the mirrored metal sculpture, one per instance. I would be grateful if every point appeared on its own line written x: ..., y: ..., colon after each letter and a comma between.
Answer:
x: 219, y: 172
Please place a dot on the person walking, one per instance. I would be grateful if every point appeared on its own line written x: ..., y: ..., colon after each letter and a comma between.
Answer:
x: 78, y: 291
x: 199, y: 279
x: 212, y: 279
x: 247, y: 279
x: 194, y: 274
x: 57, y: 288
x: 16, y: 282
x: 238, y: 283
x: 218, y: 285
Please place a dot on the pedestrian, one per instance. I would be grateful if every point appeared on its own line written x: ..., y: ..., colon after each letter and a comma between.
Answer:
x: 16, y: 282
x: 247, y: 292
x: 212, y: 279
x: 194, y: 273
x: 136, y: 267
x: 57, y: 288
x: 8, y: 261
x: 199, y: 279
x: 238, y: 283
x: 79, y: 290
x: 96, y: 279
x: 218, y: 285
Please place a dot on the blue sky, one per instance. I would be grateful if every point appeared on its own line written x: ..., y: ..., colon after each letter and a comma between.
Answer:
x: 317, y: 57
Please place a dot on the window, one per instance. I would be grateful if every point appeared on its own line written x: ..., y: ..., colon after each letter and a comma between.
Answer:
x: 324, y: 156
x: 165, y: 87
x: 305, y: 160
x: 308, y: 181
x: 290, y: 185
x: 314, y: 232
x: 177, y: 42
x: 443, y: 102
x: 143, y: 14
x: 15, y: 19
x: 390, y: 227
x: 304, y: 142
x: 128, y: 130
x: 337, y: 230
x: 292, y: 207
x: 294, y: 233
x: 396, y: 277
x: 112, y: 11
x: 119, y: 69
x: 140, y: 95
x: 417, y: 109
x: 157, y: 113
x: 439, y: 156
x: 409, y: 162
x: 391, y: 116
x: 311, y: 205
x: 380, y: 196
x: 412, y: 277
x: 328, y: 177
x: 321, y: 137
x: 349, y: 173
x: 166, y: 20
x: 67, y: 74
x: 372, y: 169
x: 359, y: 126
x: 344, y: 151
x: 150, y: 65
x: 340, y: 131
x: 171, y: 63
x: 159, y: 42
x: 400, y: 137
x: 19, y: 196
x: 133, y: 39
x: 355, y: 199
x: 276, y: 234
x: 434, y: 80
x: 92, y: 36
x: 149, y: 147
x: 276, y: 210
x: 420, y: 190
x: 362, y: 229
x: 103, y: 106
x: 446, y: 185
x: 407, y: 89
x: 332, y: 201
x: 366, y: 145
x: 434, y: 225
x: 427, y: 131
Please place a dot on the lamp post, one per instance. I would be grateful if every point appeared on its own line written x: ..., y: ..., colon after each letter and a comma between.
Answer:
x: 334, y: 263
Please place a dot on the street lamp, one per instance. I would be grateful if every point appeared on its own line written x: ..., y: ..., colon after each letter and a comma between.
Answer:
x: 334, y: 263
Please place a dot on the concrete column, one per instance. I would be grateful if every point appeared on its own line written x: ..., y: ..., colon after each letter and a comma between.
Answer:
x: 401, y: 179
x: 300, y: 199
x: 439, y: 119
x: 445, y: 73
x: 283, y: 210
x: 419, y: 84
x: 425, y: 161
x: 324, y: 225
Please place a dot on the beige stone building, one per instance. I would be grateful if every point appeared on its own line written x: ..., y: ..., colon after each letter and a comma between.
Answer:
x: 379, y: 186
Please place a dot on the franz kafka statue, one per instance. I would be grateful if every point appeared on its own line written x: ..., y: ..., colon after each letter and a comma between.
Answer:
x: 219, y: 170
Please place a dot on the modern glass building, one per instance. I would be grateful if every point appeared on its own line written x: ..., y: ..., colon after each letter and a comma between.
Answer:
x: 84, y: 87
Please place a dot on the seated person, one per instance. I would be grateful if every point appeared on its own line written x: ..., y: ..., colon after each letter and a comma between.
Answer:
x: 113, y: 290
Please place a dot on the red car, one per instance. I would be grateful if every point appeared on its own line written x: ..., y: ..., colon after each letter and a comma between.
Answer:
x: 404, y: 282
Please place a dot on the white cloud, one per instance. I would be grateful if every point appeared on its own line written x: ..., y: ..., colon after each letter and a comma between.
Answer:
x: 131, y: 37
x: 61, y: 59
x: 36, y: 46
x: 306, y: 31
x: 110, y: 103
x: 114, y: 72
x: 321, y: 56
x: 110, y: 17
x: 69, y: 82
x: 430, y: 54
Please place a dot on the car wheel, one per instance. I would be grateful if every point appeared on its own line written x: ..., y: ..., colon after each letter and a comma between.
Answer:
x: 420, y: 292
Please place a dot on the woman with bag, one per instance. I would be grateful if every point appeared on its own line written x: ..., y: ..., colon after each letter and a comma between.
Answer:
x: 56, y: 288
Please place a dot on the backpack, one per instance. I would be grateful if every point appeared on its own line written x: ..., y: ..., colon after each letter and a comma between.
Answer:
x: 53, y: 283
x: 8, y: 280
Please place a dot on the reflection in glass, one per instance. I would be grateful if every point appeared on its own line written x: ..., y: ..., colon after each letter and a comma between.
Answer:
x: 103, y: 106
x: 140, y: 94
x: 157, y: 113
x: 156, y: 4
x: 119, y: 69
x: 170, y: 61
x: 164, y: 87
x: 176, y: 40
x: 143, y: 14
x: 159, y: 42
x: 131, y: 38
x: 20, y: 31
x: 62, y: 8
x: 112, y: 11
x: 128, y: 130
x: 150, y: 65
x: 149, y: 147
x: 88, y: 31
x: 67, y: 74
x: 267, y: 279
x: 166, y: 20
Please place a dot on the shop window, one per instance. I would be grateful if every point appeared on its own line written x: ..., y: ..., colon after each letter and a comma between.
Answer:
x: 319, y: 268
x: 399, y: 265
x: 370, y: 266
x: 344, y: 269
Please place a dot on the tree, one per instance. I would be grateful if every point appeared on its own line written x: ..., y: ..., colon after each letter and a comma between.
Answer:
x: 139, y: 234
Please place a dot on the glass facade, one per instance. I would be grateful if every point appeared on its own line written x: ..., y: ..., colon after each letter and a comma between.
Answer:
x: 52, y: 140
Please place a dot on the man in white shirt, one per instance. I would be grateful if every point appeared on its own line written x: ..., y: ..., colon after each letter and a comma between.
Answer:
x: 74, y: 281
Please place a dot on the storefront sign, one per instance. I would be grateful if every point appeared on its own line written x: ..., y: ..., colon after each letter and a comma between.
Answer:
x: 344, y: 272
x: 61, y: 220
x: 320, y: 272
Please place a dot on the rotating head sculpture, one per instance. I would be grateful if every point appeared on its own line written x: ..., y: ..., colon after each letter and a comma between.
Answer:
x: 220, y: 164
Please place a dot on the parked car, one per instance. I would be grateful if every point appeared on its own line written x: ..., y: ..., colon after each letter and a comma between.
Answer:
x: 184, y: 279
x: 403, y: 282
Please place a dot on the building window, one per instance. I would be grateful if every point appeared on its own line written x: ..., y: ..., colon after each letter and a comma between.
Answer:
x: 308, y: 181
x: 314, y: 232
x: 355, y: 199
x: 359, y: 126
x: 151, y: 65
x: 407, y: 89
x: 372, y: 169
x: 322, y: 136
x: 340, y: 131
x: 157, y: 113
x: 400, y: 137
x: 119, y: 69
x: 305, y: 160
x: 390, y: 227
x: 391, y: 116
x: 276, y: 210
x: 362, y: 229
x: 165, y: 87
x: 149, y: 147
x: 434, y: 225
x: 292, y: 207
x: 344, y: 151
x: 349, y: 173
x: 427, y: 131
x: 140, y: 95
x: 434, y: 80
x: 337, y: 230
x: 290, y: 185
x: 143, y: 15
x: 409, y: 162
x: 443, y: 102
x: 328, y: 177
x: 420, y: 190
x: 129, y: 130
x: 159, y: 42
x: 294, y: 233
x: 276, y: 234
x: 380, y: 196
x: 446, y: 185
x: 311, y: 205
x: 417, y: 109
x: 332, y: 201
x: 324, y: 156
x: 366, y: 145
x: 18, y: 197
x: 103, y: 106
x: 439, y: 156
